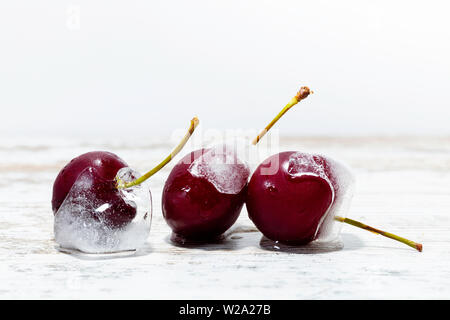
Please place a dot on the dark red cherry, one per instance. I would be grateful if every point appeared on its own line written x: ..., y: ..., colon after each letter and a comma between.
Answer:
x: 99, y: 169
x: 289, y: 196
x: 295, y: 197
x: 87, y: 190
x: 194, y: 208
x: 106, y: 165
x: 100, y: 199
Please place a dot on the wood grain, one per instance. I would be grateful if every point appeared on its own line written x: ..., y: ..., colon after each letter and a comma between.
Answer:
x: 403, y: 186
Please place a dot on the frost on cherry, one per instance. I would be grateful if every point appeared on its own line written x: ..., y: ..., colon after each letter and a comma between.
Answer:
x: 341, y: 181
x: 97, y: 217
x: 222, y: 167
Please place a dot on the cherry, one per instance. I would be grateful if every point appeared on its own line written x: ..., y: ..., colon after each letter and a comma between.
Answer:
x: 99, y: 170
x: 194, y: 207
x: 290, y: 205
x: 291, y: 195
x: 111, y: 208
x: 293, y: 205
x: 105, y: 164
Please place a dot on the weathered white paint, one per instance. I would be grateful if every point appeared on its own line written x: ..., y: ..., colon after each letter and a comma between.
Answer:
x: 403, y: 186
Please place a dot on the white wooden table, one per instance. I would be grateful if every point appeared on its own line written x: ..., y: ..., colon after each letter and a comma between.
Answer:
x: 403, y: 186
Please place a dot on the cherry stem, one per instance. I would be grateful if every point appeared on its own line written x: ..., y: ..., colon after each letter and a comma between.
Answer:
x: 361, y: 225
x: 193, y: 126
x: 302, y: 94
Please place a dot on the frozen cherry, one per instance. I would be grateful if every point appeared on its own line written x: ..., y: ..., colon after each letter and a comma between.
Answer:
x: 291, y: 195
x: 105, y: 164
x: 204, y: 194
x: 99, y: 170
x: 290, y: 204
x: 118, y: 212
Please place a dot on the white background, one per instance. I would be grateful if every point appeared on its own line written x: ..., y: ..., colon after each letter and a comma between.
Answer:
x: 96, y: 68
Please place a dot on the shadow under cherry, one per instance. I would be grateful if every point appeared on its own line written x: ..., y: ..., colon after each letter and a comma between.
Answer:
x: 233, y: 239
x: 345, y: 242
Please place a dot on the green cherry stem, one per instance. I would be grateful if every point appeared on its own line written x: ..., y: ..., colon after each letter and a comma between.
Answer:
x: 361, y: 225
x: 302, y: 94
x: 193, y: 126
